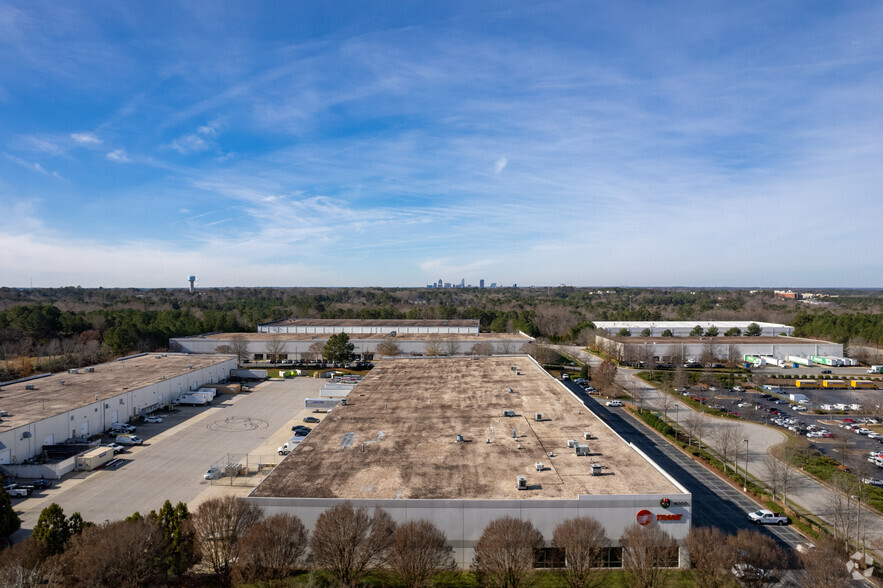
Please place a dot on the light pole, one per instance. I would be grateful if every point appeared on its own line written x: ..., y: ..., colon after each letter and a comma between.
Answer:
x: 745, y: 479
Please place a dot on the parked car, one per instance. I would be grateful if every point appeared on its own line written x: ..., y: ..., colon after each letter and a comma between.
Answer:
x: 614, y: 403
x: 311, y: 420
x: 16, y: 490
x: 872, y: 481
x: 152, y: 419
x: 41, y: 484
x: 826, y: 371
x: 212, y: 474
x: 117, y: 448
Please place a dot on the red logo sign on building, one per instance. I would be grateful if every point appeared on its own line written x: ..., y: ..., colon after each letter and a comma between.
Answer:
x: 644, y: 517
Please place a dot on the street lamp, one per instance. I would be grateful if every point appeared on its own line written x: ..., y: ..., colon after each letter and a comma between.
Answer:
x: 745, y: 479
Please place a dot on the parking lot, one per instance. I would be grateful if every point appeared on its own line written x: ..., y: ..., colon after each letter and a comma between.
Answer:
x: 850, y: 448
x: 177, y: 452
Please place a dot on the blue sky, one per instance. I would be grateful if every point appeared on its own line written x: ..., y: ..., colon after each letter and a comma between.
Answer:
x: 394, y: 143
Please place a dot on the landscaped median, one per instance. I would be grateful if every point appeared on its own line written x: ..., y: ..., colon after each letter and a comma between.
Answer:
x: 755, y: 489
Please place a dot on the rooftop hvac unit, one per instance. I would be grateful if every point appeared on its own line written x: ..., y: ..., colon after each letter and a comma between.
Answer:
x: 596, y: 469
x: 517, y: 372
x: 538, y: 416
x: 571, y: 442
x: 521, y: 483
x: 4, y: 413
x: 459, y: 438
x: 513, y: 368
x: 511, y: 391
x: 158, y: 356
x: 29, y: 387
x: 508, y: 413
x: 73, y: 371
x: 587, y: 435
x: 539, y: 466
x: 90, y: 369
x: 581, y: 449
x: 61, y: 382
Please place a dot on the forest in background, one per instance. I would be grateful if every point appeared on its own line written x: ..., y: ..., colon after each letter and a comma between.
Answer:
x: 51, y: 329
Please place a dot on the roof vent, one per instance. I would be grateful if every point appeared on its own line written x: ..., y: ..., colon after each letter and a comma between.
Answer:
x: 587, y: 435
x: 511, y: 391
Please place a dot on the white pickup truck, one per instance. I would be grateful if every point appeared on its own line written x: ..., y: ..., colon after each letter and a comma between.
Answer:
x: 767, y: 517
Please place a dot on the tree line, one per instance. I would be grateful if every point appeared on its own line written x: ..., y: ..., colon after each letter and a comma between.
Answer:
x: 228, y: 541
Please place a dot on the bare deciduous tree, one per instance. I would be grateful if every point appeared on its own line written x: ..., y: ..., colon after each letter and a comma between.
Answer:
x: 28, y: 565
x: 121, y: 553
x: 710, y: 557
x: 823, y: 566
x: 841, y: 509
x: 239, y: 348
x: 681, y: 381
x: 505, y: 347
x: 275, y: 348
x: 728, y: 439
x: 388, y: 347
x: 505, y: 551
x: 483, y: 348
x: 452, y: 347
x: 348, y: 543
x: 646, y: 551
x: 780, y: 476
x: 272, y: 549
x: 314, y: 351
x: 585, y: 544
x: 755, y: 555
x: 695, y: 424
x: 605, y: 376
x: 419, y: 551
x: 220, y: 524
x: 433, y: 346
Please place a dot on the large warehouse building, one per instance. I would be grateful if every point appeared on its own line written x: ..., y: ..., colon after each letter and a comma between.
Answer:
x: 47, y: 410
x: 733, y: 349
x: 684, y: 328
x: 390, y: 326
x: 297, y: 346
x: 463, y: 441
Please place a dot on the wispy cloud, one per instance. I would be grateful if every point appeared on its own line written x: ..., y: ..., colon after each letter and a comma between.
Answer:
x: 201, y: 140
x: 119, y: 156
x: 500, y: 165
x: 33, y: 166
x: 85, y: 139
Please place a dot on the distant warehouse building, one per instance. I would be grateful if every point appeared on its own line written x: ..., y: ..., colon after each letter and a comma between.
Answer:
x: 463, y: 441
x: 684, y: 328
x: 303, y: 346
x: 723, y: 349
x: 46, y: 410
x: 361, y: 326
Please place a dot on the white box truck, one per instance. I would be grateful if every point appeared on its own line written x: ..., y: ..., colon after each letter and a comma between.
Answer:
x: 194, y: 399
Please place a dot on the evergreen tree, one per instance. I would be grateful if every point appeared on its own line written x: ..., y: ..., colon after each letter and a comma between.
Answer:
x: 9, y: 521
x: 179, y: 537
x: 338, y: 348
x: 52, y: 530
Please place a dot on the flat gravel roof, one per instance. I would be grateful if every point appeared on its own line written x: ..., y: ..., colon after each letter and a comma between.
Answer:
x: 397, y: 438
x: 470, y: 337
x: 50, y: 398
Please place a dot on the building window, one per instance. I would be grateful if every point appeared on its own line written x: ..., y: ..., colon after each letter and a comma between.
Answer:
x: 121, y: 401
x: 548, y: 558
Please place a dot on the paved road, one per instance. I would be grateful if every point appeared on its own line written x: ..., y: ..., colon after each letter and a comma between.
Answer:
x: 176, y: 454
x: 812, y: 496
x: 715, y: 502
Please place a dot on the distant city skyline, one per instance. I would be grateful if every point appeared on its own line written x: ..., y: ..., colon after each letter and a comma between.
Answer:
x: 354, y: 144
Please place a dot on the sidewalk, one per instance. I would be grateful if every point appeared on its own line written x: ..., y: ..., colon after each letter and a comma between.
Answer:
x: 813, y: 497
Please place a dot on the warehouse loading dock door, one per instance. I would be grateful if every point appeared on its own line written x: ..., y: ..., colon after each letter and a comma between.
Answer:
x: 4, y: 457
x: 114, y: 417
x: 84, y: 429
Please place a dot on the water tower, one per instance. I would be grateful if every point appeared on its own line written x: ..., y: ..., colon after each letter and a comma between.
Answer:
x: 192, y: 280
